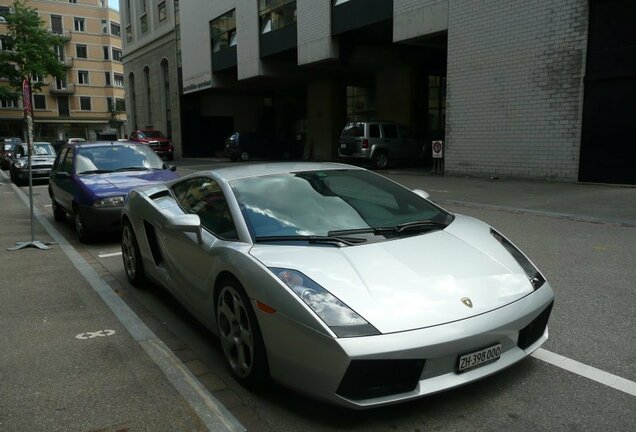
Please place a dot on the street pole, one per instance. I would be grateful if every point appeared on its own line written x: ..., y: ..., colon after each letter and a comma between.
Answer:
x: 28, y: 112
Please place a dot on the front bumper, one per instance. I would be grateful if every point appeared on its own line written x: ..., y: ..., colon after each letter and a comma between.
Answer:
x: 320, y: 367
x: 107, y: 219
x: 36, y: 174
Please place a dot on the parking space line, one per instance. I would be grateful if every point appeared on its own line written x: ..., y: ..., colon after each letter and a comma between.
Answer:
x: 108, y: 255
x: 586, y: 371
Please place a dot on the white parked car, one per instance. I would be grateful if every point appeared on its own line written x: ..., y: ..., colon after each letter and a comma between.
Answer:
x: 337, y: 281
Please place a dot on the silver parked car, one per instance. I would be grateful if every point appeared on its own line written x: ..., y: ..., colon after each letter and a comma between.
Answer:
x: 41, y: 162
x: 337, y: 281
x: 379, y: 142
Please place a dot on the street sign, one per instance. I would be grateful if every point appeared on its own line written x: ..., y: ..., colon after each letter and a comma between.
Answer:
x: 26, y: 95
x: 438, y: 149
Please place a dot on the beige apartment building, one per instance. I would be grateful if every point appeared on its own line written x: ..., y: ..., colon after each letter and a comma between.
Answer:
x: 90, y: 102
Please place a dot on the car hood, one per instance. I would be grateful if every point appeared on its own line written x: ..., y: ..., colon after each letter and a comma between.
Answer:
x: 110, y: 184
x: 412, y: 282
x: 35, y: 160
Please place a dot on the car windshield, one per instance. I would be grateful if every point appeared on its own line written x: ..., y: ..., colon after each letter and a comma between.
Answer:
x: 116, y: 157
x: 9, y: 146
x: 319, y: 203
x: 39, y: 149
x: 151, y: 134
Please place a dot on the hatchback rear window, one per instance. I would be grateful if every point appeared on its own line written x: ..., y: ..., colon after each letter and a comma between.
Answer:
x: 353, y: 130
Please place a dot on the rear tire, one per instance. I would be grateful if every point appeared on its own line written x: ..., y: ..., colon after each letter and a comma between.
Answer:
x: 132, y: 256
x: 240, y: 336
x: 380, y: 160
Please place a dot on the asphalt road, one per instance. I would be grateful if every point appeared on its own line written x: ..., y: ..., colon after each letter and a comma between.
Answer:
x: 591, y: 268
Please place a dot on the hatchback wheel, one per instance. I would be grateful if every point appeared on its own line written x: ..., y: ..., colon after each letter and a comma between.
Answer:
x: 83, y: 232
x: 240, y: 335
x: 245, y: 156
x: 131, y: 256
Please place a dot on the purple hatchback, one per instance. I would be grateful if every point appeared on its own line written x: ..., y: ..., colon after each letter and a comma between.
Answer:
x: 91, y: 180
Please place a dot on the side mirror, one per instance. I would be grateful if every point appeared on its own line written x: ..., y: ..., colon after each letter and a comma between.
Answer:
x: 186, y: 223
x: 172, y: 168
x: 421, y: 193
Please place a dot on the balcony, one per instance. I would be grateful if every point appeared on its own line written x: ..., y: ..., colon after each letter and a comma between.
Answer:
x: 355, y: 14
x: 68, y: 89
x: 64, y: 34
x: 67, y: 62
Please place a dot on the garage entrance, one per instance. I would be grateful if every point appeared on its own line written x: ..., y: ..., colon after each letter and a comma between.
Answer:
x: 608, y: 143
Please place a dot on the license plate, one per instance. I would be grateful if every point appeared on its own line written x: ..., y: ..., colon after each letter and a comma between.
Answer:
x: 479, y: 358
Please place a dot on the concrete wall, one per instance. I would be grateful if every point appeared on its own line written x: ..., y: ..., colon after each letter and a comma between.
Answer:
x: 245, y: 110
x: 314, y: 32
x: 393, y: 95
x: 324, y: 124
x: 515, y: 87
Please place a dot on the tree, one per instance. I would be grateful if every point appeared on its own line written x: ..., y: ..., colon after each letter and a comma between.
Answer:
x: 30, y: 51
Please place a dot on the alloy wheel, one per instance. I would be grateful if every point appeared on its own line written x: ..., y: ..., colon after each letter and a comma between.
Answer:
x: 129, y: 252
x: 235, y: 331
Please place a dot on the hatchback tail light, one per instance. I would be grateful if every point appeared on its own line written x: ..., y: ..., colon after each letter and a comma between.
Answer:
x: 365, y: 143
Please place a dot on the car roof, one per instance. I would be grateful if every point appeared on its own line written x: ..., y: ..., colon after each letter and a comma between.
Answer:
x: 83, y: 144
x: 240, y: 171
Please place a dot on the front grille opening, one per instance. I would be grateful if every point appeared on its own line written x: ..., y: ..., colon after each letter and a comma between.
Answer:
x: 533, y: 331
x: 151, y: 235
x: 366, y: 379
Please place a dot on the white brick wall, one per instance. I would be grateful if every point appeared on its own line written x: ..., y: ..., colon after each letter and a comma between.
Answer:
x: 515, y: 87
x: 414, y: 18
x: 314, y: 31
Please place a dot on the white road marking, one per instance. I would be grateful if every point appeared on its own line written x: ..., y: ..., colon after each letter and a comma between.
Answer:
x: 108, y: 255
x: 91, y: 335
x: 586, y: 371
x: 48, y: 205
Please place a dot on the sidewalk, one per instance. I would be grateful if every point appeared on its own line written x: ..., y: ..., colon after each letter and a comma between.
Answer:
x: 69, y: 362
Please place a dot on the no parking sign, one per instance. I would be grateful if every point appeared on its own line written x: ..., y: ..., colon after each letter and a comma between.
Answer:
x: 438, y: 149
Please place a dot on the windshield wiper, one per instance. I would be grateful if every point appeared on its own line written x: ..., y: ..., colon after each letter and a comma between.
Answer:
x: 132, y: 168
x: 97, y: 171
x: 422, y: 225
x: 313, y: 239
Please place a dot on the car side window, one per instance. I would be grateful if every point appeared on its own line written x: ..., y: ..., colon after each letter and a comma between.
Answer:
x: 67, y: 163
x: 203, y: 196
x: 390, y: 131
x: 133, y: 135
x: 374, y: 130
x: 57, y: 165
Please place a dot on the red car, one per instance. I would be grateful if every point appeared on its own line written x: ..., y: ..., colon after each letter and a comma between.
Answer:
x: 156, y: 140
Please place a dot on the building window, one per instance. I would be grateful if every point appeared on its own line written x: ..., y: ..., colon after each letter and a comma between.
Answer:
x: 82, y: 77
x: 127, y: 12
x: 85, y: 103
x: 133, y: 101
x: 56, y: 24
x: 36, y: 79
x: 106, y: 52
x: 116, y: 54
x: 72, y: 1
x: 81, y: 51
x: 120, y: 105
x: 144, y: 23
x: 148, y: 95
x: 109, y: 104
x: 104, y: 26
x: 161, y: 8
x: 115, y: 29
x: 39, y: 102
x: 274, y: 15
x: 5, y: 44
x: 79, y: 24
x: 129, y: 33
x: 436, y: 103
x: 8, y: 103
x: 107, y: 77
x: 223, y: 31
x: 165, y: 75
x: 119, y: 80
x: 4, y: 11
x: 360, y: 104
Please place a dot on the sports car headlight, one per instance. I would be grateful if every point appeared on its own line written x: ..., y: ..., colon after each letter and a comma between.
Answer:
x: 116, y: 201
x: 21, y: 164
x: 340, y: 318
x: 534, y: 275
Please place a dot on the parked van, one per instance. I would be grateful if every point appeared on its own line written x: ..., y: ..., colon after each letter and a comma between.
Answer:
x: 379, y: 142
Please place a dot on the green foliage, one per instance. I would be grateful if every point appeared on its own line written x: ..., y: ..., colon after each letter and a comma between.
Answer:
x: 31, y: 51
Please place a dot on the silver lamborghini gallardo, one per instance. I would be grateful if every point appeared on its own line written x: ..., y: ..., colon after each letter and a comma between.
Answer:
x: 337, y: 281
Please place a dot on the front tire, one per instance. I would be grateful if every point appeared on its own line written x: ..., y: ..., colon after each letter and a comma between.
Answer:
x: 245, y: 156
x: 240, y: 336
x: 83, y: 232
x: 132, y: 256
